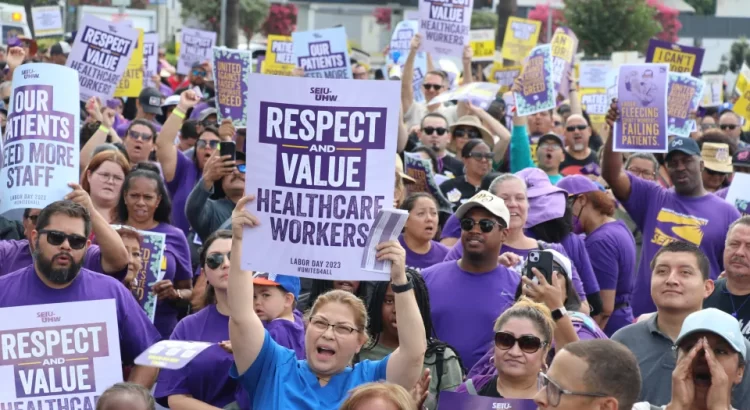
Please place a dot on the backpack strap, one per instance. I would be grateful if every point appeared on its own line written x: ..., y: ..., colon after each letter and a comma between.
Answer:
x: 470, y: 388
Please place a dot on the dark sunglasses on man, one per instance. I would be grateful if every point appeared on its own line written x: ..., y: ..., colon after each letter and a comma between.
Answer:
x: 571, y: 128
x: 56, y: 238
x: 430, y: 130
x: 435, y: 87
x: 143, y: 136
x: 485, y: 225
x: 725, y: 127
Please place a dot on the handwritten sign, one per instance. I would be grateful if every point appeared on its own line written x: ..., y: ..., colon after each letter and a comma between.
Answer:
x: 62, y: 353
x: 326, y: 143
x: 323, y: 53
x: 642, y: 93
x: 171, y: 354
x: 683, y: 98
x: 681, y: 59
x: 39, y: 154
x: 231, y: 71
x: 100, y: 54
x: 445, y: 25
x: 521, y: 35
x: 483, y: 45
x: 538, y: 92
x: 279, y: 56
x: 564, y: 48
x: 131, y: 83
x: 196, y: 47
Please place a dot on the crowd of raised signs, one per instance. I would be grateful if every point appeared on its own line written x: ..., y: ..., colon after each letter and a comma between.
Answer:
x: 539, y: 246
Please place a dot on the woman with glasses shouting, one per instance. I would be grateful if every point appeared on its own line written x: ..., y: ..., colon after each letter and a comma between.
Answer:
x: 337, y: 330
x: 523, y: 336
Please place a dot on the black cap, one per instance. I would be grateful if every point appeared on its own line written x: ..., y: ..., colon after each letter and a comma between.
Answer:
x: 685, y: 145
x: 741, y: 158
x: 551, y: 136
x: 60, y: 48
x: 150, y: 99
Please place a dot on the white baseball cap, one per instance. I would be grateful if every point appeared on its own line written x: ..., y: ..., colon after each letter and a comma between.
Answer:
x: 486, y: 200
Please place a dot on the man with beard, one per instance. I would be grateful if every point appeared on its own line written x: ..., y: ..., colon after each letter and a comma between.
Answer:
x: 733, y: 291
x: 477, y: 277
x: 711, y: 361
x: 219, y: 174
x: 56, y: 276
x: 110, y: 257
x: 687, y: 213
x: 679, y: 284
x: 197, y: 78
x: 577, y: 153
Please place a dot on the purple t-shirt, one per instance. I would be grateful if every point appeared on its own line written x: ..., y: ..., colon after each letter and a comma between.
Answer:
x: 465, y: 305
x: 418, y: 261
x: 664, y: 216
x: 24, y: 288
x: 722, y: 193
x: 458, y: 251
x: 206, y: 377
x: 611, y: 248
x: 452, y: 228
x: 16, y: 255
x: 123, y: 125
x: 186, y: 175
x: 289, y: 334
x: 179, y: 268
x: 575, y: 249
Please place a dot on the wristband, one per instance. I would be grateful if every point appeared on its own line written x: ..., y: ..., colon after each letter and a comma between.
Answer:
x: 402, y: 288
x: 104, y: 129
x: 178, y: 113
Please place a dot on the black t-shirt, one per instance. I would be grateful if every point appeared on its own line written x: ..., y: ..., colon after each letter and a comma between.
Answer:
x: 458, y: 191
x: 737, y: 306
x: 490, y: 389
x: 453, y: 165
x: 572, y: 166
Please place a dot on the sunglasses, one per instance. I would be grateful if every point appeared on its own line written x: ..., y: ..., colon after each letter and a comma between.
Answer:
x: 572, y: 128
x: 215, y: 260
x: 435, y: 87
x: 56, y: 238
x: 463, y: 132
x: 33, y: 218
x: 241, y: 168
x: 143, y: 136
x: 728, y: 126
x: 485, y: 225
x: 527, y: 343
x: 199, y: 73
x: 203, y: 143
x: 430, y: 130
x: 481, y: 155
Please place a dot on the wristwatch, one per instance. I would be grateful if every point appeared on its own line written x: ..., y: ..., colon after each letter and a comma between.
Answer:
x: 557, y: 314
x: 409, y: 285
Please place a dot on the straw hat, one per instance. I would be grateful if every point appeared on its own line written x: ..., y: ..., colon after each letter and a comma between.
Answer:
x: 716, y: 157
x: 471, y: 121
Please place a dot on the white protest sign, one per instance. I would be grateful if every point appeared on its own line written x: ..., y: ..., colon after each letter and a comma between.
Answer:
x: 196, y: 47
x: 47, y: 21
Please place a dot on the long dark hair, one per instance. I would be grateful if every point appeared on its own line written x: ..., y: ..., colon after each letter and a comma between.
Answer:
x: 209, y: 298
x: 321, y: 286
x: 148, y: 171
x: 375, y: 315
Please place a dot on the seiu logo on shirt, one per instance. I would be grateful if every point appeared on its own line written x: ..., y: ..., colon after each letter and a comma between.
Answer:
x: 672, y: 226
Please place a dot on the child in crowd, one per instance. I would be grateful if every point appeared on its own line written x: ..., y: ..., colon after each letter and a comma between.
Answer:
x: 275, y: 304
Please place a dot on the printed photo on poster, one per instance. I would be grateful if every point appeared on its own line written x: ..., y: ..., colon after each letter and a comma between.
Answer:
x: 327, y: 144
x: 642, y: 101
x: 232, y: 68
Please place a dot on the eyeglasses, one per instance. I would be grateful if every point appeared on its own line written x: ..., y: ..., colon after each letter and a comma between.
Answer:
x: 572, y: 199
x: 56, y: 238
x: 645, y: 174
x: 572, y: 128
x: 527, y: 343
x: 241, y: 168
x: 485, y: 225
x: 464, y: 132
x: 705, y: 127
x: 203, y: 143
x: 143, y: 136
x: 215, y: 260
x: 430, y: 130
x: 481, y: 155
x: 435, y: 87
x: 199, y: 73
x: 33, y: 218
x: 552, y: 146
x: 105, y: 177
x: 322, y: 325
x: 725, y: 127
x: 555, y: 392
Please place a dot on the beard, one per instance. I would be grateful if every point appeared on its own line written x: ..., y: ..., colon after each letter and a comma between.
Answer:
x: 59, y: 276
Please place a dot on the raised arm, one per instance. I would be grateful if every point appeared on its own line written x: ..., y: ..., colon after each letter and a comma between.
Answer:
x: 612, y: 170
x: 575, y: 101
x: 403, y: 133
x: 407, y: 75
x: 246, y: 331
x: 100, y: 136
x: 166, y: 151
x: 466, y: 60
x: 405, y: 364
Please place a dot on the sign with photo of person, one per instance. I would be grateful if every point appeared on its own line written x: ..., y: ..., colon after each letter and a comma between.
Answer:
x: 320, y: 152
x: 642, y: 101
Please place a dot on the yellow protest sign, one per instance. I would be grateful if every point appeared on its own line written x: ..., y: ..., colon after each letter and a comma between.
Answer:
x: 279, y: 56
x: 131, y: 82
x: 594, y: 101
x: 505, y: 76
x: 742, y: 105
x: 681, y: 59
x: 482, y: 44
x: 521, y: 36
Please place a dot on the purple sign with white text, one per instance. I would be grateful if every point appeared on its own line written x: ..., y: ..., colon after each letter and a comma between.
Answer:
x: 642, y: 101
x: 171, y: 354
x: 150, y: 58
x: 684, y: 97
x: 100, y: 54
x: 322, y: 53
x: 538, y: 91
x: 39, y: 154
x: 462, y: 401
x: 321, y: 148
x: 445, y: 26
x: 231, y: 71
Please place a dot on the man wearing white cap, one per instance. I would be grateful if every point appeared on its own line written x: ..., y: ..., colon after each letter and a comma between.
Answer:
x: 711, y: 359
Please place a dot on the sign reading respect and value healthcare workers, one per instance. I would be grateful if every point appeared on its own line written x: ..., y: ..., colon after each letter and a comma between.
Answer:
x: 62, y: 353
x: 445, y: 25
x: 323, y: 148
x: 39, y: 153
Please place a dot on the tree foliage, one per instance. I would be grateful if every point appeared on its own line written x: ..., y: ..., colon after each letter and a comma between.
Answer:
x: 252, y: 13
x: 282, y: 20
x: 605, y: 26
x: 703, y: 7
x: 541, y: 13
x: 481, y: 19
x: 739, y: 53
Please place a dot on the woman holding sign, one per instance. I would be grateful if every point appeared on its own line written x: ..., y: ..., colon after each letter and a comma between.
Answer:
x: 272, y: 376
